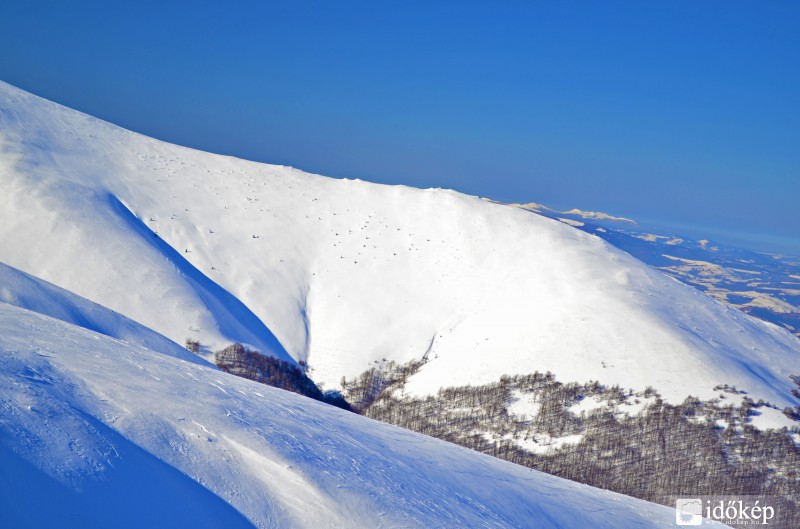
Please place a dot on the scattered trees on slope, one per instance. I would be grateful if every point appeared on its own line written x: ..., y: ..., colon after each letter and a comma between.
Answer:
x: 656, y: 452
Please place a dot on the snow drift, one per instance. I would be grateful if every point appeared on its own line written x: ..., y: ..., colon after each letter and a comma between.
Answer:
x: 28, y: 292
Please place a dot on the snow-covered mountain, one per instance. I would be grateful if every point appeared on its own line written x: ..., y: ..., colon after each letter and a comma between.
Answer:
x: 343, y: 273
x: 96, y: 432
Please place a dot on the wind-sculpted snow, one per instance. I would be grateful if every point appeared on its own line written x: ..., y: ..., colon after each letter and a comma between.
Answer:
x: 343, y: 273
x: 23, y: 290
x: 95, y: 432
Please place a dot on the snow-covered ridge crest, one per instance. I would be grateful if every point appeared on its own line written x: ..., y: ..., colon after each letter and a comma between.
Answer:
x: 342, y: 273
x: 25, y: 291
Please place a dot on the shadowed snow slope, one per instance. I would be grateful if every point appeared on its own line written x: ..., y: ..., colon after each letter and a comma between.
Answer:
x: 114, y: 435
x: 345, y: 273
x: 23, y: 290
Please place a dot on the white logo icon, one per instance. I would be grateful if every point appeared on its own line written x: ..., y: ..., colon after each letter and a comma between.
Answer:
x: 688, y: 511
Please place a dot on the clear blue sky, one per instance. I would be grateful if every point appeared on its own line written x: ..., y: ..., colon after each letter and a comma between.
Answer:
x: 684, y: 112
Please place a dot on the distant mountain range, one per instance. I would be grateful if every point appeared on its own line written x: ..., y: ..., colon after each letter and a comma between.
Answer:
x: 765, y: 285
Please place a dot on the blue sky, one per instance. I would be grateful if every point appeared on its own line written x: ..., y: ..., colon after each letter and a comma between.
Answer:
x: 678, y: 112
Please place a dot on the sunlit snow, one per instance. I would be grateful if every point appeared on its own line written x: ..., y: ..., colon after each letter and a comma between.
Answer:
x: 95, y: 432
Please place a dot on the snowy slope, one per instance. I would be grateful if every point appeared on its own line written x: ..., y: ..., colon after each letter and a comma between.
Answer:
x: 345, y: 273
x: 114, y: 435
x: 23, y: 290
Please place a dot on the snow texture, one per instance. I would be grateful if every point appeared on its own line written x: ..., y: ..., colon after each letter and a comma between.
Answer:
x: 23, y: 290
x: 95, y: 432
